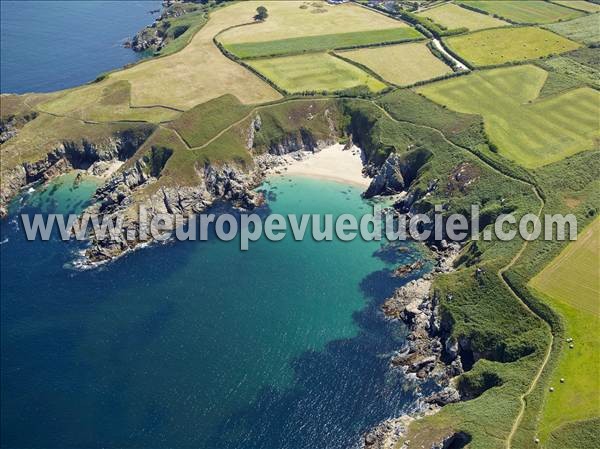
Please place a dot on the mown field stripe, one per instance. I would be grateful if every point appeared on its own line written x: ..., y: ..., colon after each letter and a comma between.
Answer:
x: 324, y: 42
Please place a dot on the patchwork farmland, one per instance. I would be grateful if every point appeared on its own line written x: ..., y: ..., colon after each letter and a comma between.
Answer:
x: 316, y: 72
x: 584, y: 29
x: 452, y: 16
x: 402, y: 64
x: 506, y: 45
x: 519, y: 11
x: 532, y: 133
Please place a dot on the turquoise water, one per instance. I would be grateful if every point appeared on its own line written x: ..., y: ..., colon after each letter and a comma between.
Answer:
x: 51, y: 45
x: 192, y: 344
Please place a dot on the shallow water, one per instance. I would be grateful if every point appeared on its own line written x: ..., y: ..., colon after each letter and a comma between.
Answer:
x: 193, y: 344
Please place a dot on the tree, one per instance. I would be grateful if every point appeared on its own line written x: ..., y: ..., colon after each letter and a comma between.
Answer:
x: 261, y: 13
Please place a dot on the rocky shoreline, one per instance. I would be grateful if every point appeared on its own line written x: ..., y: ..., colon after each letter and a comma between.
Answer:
x: 429, y: 353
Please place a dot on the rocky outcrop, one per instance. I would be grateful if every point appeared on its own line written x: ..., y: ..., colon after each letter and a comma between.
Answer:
x: 397, y: 172
x: 429, y: 353
x: 9, y: 126
x: 70, y: 155
x: 216, y: 183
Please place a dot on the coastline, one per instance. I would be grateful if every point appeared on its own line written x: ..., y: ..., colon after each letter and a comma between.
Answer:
x: 336, y: 162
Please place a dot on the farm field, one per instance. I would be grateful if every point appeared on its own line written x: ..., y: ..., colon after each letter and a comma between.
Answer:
x: 194, y: 75
x: 322, y: 42
x: 584, y: 29
x: 451, y: 16
x: 504, y: 45
x: 103, y: 102
x: 402, y: 64
x: 582, y: 5
x: 532, y: 133
x: 314, y: 72
x: 571, y: 283
x: 291, y: 19
x: 530, y: 11
x: 573, y: 277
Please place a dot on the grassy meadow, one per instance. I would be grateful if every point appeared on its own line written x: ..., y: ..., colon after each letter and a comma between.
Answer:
x: 293, y: 19
x: 322, y: 42
x: 451, y: 16
x: 505, y: 45
x: 315, y: 72
x: 529, y: 132
x: 571, y: 284
x: 402, y: 64
x: 103, y: 102
x: 530, y: 11
x: 574, y: 276
x: 584, y: 29
x: 581, y: 5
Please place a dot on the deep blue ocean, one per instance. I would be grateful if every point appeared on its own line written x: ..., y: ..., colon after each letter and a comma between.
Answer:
x: 190, y: 344
x: 52, y: 45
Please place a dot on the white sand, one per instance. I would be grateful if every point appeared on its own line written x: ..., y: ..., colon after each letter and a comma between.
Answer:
x: 332, y: 163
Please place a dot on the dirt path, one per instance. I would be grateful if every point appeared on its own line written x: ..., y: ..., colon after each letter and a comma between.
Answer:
x: 500, y: 274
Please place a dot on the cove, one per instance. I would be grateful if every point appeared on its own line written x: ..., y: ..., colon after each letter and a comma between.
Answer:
x: 197, y: 344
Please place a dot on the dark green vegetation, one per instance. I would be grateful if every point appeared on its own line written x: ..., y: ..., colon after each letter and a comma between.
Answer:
x: 571, y: 70
x: 452, y: 161
x: 435, y: 29
x: 212, y: 116
x: 324, y: 42
x: 583, y: 29
x: 519, y: 11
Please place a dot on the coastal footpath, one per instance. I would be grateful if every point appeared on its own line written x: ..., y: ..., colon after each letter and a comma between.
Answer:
x: 476, y: 329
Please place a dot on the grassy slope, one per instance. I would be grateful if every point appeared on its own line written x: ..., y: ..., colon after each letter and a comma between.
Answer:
x: 322, y: 42
x: 530, y: 132
x: 505, y: 45
x: 530, y: 11
x: 450, y: 15
x: 400, y: 64
x: 475, y: 304
x: 584, y: 29
x: 46, y: 132
x: 496, y: 409
x: 103, y: 102
x: 205, y: 121
x: 315, y: 72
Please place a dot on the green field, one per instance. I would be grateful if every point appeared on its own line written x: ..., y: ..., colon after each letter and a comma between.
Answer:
x: 214, y: 115
x: 532, y: 133
x: 292, y: 19
x: 451, y: 16
x: 402, y: 65
x: 584, y: 29
x: 504, y: 45
x: 322, y: 42
x: 571, y: 282
x: 582, y: 5
x: 315, y: 72
x: 574, y: 276
x: 529, y: 11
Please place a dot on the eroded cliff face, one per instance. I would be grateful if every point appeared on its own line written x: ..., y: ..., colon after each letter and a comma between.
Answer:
x: 67, y: 156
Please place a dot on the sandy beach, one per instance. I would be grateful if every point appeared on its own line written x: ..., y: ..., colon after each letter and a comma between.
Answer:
x: 332, y: 163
